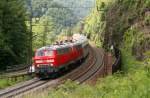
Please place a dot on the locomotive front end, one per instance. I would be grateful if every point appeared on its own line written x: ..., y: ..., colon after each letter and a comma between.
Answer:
x: 44, y: 62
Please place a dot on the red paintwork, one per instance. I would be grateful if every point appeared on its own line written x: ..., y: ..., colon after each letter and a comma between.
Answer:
x: 44, y: 58
x: 61, y: 59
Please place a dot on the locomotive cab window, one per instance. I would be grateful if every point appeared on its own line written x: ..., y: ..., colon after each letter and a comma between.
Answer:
x: 78, y: 47
x: 40, y: 53
x: 62, y: 51
x: 44, y: 53
x: 49, y: 53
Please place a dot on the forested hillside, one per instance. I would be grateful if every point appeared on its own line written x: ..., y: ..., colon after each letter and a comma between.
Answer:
x: 80, y: 8
x: 52, y: 17
x: 112, y: 22
x: 128, y: 24
x: 13, y: 33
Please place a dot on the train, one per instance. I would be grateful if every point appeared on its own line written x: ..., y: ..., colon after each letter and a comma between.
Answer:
x: 50, y: 60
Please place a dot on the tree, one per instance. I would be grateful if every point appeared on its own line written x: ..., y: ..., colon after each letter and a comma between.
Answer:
x: 13, y: 33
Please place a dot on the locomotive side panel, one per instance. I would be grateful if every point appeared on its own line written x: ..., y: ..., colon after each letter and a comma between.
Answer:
x: 63, y: 56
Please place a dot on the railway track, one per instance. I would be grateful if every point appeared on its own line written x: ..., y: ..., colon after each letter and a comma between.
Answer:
x: 81, y: 74
x: 95, y: 67
x: 12, y: 89
x: 14, y: 74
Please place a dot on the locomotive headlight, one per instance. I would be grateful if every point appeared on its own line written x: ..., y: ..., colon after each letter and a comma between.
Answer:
x: 39, y: 61
x: 52, y: 60
x: 38, y: 65
x: 51, y: 64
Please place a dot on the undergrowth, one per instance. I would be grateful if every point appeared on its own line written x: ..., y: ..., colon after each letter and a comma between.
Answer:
x: 10, y: 81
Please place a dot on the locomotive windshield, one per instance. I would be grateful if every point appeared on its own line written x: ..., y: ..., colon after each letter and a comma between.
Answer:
x: 48, y: 53
x: 44, y: 53
x: 40, y: 53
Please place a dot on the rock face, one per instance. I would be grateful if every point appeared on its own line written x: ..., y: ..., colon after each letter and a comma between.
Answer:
x: 143, y: 46
x: 139, y: 50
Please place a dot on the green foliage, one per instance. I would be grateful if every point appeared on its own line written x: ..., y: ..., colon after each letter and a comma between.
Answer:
x: 5, y: 83
x: 120, y: 16
x: 13, y: 34
x: 61, y: 16
x: 136, y: 42
x: 53, y: 19
x: 128, y: 61
x: 133, y: 85
x: 9, y: 82
x: 43, y: 32
x: 94, y: 24
x: 147, y: 20
x: 132, y: 37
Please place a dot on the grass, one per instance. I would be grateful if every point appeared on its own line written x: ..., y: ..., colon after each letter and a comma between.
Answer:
x: 129, y: 62
x: 12, y: 81
x: 129, y: 86
x: 4, y: 83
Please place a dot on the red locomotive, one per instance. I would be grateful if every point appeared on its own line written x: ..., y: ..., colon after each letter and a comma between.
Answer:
x: 51, y: 59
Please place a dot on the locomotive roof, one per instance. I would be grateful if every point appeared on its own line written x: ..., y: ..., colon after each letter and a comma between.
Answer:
x: 79, y: 41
